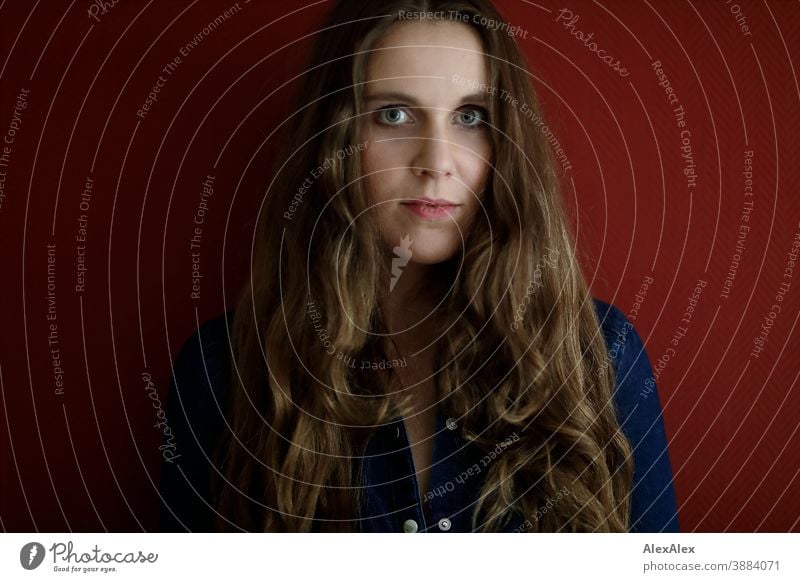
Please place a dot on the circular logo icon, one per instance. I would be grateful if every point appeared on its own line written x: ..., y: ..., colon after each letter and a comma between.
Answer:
x: 31, y: 555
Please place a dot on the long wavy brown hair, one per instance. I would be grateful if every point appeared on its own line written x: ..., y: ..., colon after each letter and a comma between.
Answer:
x: 300, y: 418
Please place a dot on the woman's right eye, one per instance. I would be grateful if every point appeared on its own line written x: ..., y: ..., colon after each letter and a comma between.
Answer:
x: 391, y: 115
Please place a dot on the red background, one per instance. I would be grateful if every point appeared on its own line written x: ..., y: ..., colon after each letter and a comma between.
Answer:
x: 88, y: 459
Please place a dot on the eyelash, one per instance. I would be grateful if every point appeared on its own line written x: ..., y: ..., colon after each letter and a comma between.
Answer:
x: 482, y: 113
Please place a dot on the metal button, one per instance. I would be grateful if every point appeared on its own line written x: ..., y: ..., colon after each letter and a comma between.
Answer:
x: 444, y: 524
x: 410, y: 526
x: 451, y: 423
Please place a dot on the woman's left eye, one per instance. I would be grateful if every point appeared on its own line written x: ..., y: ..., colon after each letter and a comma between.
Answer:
x: 472, y: 117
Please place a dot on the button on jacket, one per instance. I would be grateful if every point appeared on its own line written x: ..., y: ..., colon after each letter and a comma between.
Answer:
x: 197, y: 400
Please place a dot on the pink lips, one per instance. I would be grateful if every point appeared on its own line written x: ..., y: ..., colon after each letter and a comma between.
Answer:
x: 431, y: 208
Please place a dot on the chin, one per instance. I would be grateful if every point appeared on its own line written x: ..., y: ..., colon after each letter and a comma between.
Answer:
x: 433, y: 256
x: 427, y: 247
x: 435, y: 260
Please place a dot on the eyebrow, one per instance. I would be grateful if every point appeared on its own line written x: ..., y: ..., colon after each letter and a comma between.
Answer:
x: 477, y: 97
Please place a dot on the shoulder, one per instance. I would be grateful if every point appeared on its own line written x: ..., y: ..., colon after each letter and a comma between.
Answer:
x: 200, y: 381
x: 627, y: 354
x: 626, y: 350
x: 195, y: 416
x: 638, y: 407
x: 201, y: 371
x: 206, y: 352
x: 616, y: 328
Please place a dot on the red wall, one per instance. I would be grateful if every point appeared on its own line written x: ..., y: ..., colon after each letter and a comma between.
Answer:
x: 87, y: 458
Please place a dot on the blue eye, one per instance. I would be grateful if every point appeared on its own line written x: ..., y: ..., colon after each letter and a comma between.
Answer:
x: 392, y: 115
x: 472, y: 117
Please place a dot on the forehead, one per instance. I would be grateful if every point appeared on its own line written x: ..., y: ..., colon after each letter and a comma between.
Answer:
x: 428, y: 53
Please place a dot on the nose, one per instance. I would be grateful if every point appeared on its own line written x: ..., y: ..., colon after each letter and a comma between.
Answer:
x: 434, y: 155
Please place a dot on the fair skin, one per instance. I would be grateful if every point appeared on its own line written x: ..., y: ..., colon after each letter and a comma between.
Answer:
x: 424, y: 139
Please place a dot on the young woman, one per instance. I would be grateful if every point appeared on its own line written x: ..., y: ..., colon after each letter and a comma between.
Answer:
x: 416, y: 349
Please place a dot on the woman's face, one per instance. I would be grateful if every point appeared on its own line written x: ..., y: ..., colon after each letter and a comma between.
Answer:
x: 426, y: 140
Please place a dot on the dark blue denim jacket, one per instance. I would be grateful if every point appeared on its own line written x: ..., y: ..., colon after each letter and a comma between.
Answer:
x: 197, y: 400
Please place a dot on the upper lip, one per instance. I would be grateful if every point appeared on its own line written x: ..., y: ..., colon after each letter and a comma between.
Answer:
x: 433, y: 201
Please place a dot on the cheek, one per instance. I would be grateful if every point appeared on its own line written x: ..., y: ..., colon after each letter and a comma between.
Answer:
x: 476, y: 160
x: 484, y: 162
x: 382, y: 167
x: 370, y: 170
x: 476, y: 177
x: 388, y: 153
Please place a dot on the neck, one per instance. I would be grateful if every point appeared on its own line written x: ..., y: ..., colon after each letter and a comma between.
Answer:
x: 409, y: 309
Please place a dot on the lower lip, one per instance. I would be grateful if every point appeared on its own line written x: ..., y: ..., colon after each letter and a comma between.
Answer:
x: 430, y: 211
